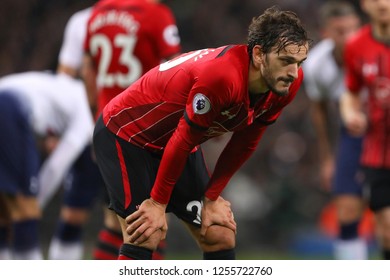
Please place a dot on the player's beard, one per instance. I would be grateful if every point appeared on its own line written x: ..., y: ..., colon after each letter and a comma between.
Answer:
x: 271, y: 81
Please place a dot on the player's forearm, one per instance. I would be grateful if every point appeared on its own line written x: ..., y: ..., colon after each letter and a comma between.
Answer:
x: 349, y: 104
x: 171, y: 167
x: 88, y: 74
x: 352, y: 115
x: 237, y: 151
x: 227, y: 165
x: 174, y: 159
x: 54, y: 169
x: 320, y: 117
x: 65, y: 69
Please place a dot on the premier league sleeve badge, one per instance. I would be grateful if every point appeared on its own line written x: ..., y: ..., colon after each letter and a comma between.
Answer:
x: 201, y: 104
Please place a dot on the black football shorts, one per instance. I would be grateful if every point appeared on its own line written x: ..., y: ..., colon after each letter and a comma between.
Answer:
x: 129, y: 173
x: 378, y: 181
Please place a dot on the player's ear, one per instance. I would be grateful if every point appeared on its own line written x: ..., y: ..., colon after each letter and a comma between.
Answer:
x: 257, y: 55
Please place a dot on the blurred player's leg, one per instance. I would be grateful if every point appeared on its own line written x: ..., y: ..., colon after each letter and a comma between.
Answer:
x: 349, y: 245
x: 25, y: 243
x: 383, y: 230
x: 82, y: 187
x: 67, y: 243
x: 5, y: 253
x: 348, y: 189
x: 110, y: 238
x: 19, y: 166
x: 379, y: 181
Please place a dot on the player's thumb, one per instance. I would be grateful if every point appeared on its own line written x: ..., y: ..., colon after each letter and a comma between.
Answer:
x: 203, y: 231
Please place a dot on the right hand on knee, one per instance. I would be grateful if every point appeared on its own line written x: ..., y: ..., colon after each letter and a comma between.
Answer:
x: 149, y: 218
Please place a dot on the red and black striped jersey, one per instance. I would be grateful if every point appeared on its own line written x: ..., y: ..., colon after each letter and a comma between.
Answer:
x: 126, y: 39
x: 208, y: 88
x: 368, y: 66
x: 181, y: 103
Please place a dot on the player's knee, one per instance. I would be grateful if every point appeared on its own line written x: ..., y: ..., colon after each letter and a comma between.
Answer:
x: 349, y: 209
x: 25, y: 208
x: 383, y: 226
x: 151, y: 243
x: 384, y: 236
x: 75, y: 216
x: 218, y: 238
x: 111, y: 220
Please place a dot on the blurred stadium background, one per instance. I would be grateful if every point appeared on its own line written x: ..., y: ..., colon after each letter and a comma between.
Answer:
x: 278, y: 204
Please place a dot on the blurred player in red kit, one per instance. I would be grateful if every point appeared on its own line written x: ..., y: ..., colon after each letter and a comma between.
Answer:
x: 83, y: 183
x: 367, y: 60
x: 147, y: 142
x: 339, y: 159
x: 124, y: 40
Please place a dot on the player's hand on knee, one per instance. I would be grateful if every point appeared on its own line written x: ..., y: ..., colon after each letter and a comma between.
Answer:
x: 217, y: 212
x: 149, y: 218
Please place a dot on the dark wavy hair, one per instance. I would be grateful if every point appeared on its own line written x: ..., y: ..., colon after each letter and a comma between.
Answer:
x: 276, y: 28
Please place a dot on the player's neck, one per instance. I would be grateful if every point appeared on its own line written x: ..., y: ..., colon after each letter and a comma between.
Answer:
x: 381, y: 32
x: 338, y: 56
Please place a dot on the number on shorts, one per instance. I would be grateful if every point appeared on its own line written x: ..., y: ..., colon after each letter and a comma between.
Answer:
x: 198, y: 206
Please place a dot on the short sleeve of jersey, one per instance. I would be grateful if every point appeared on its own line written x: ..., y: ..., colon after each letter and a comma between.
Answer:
x: 311, y: 86
x: 166, y: 32
x: 71, y: 52
x: 317, y: 65
x: 87, y: 37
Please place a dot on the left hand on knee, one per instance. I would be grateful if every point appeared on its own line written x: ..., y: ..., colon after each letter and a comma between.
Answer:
x: 217, y: 212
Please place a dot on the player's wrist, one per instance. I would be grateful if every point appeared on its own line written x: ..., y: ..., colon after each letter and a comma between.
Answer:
x: 160, y: 195
x: 209, y: 198
x: 158, y: 203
